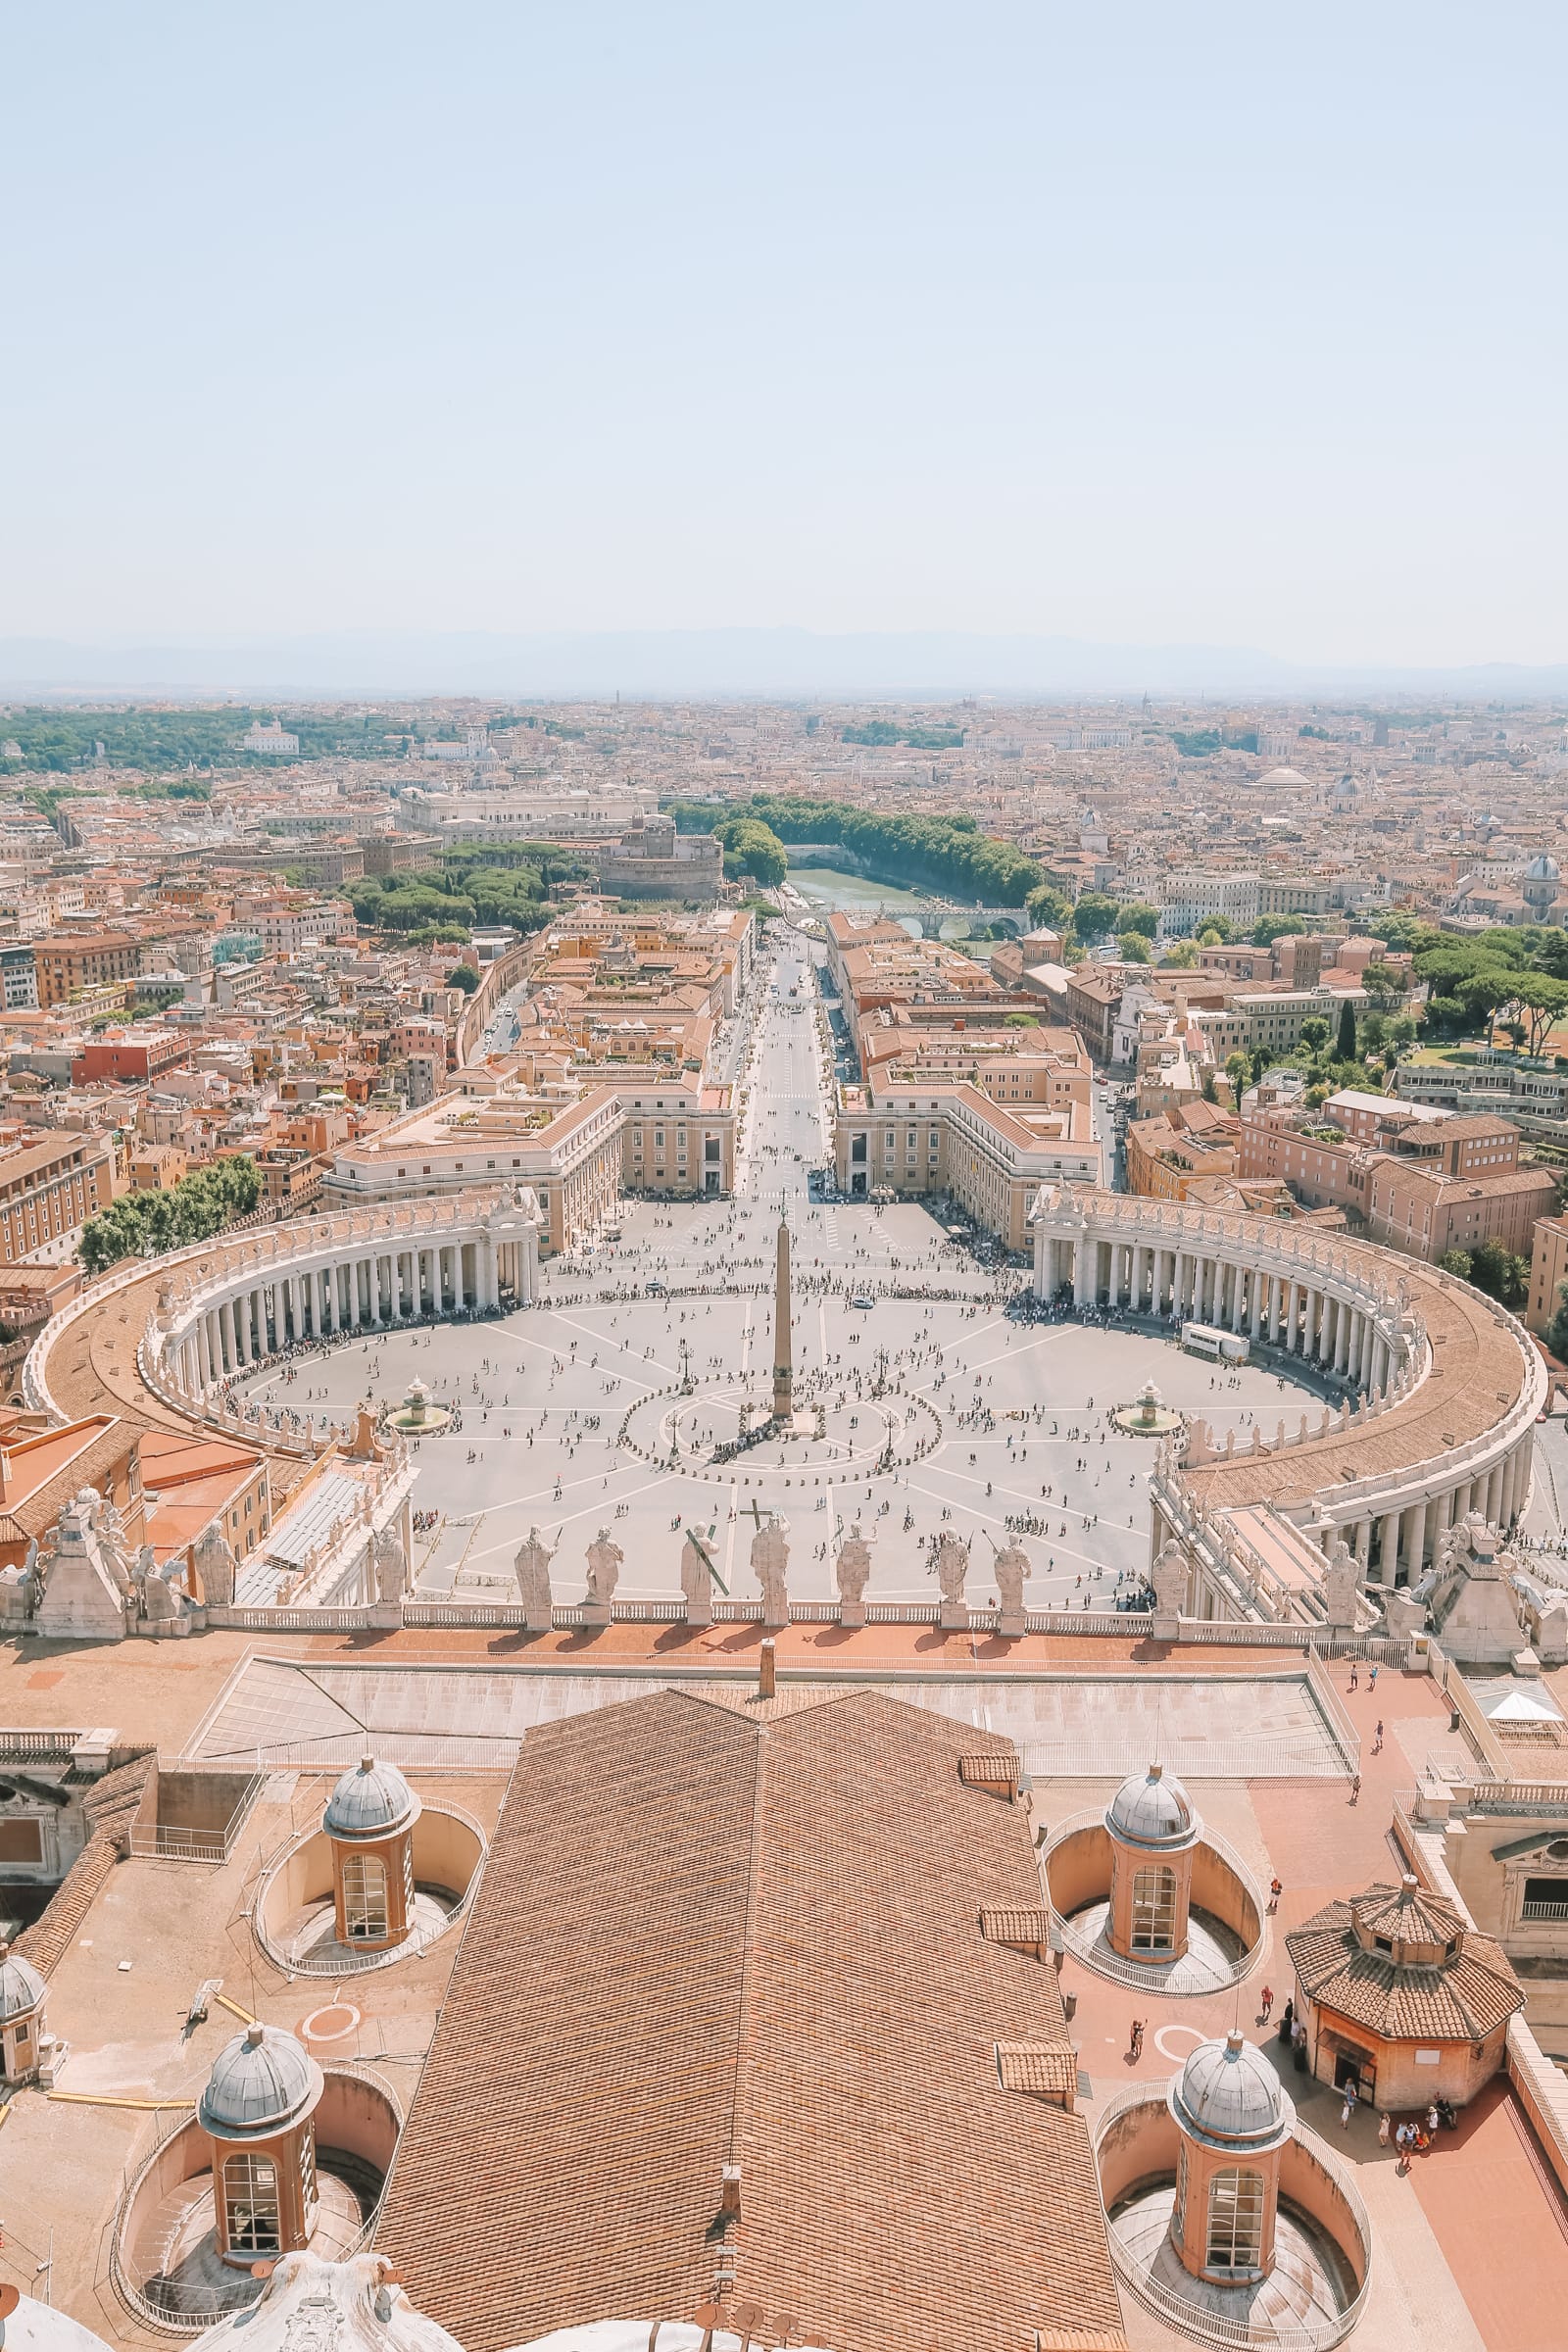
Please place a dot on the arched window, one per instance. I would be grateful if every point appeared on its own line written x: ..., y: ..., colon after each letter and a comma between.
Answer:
x: 1153, y: 1909
x: 1235, y: 2220
x: 364, y: 1897
x: 250, y: 2205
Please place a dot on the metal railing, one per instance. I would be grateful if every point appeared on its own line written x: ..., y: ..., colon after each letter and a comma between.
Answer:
x: 190, y: 2311
x: 166, y: 1842
x: 1150, y: 1976
x: 298, y: 1960
x: 1191, y: 2316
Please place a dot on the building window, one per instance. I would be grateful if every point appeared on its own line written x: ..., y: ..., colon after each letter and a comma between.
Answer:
x: 364, y: 1897
x: 250, y: 2205
x: 1235, y: 2220
x: 1153, y: 1909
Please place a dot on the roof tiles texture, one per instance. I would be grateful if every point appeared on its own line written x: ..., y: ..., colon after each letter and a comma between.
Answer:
x: 1461, y: 1999
x: 705, y: 1936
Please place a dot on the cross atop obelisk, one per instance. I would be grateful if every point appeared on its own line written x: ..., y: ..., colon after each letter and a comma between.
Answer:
x: 783, y: 1353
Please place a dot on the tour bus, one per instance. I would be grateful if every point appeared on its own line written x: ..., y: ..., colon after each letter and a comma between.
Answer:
x: 1225, y: 1347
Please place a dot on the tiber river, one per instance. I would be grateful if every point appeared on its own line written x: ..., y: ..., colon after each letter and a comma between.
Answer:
x: 824, y: 886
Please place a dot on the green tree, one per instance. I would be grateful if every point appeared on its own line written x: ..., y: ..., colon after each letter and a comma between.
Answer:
x: 1050, y: 910
x: 1498, y: 1272
x: 1094, y: 914
x: 1132, y: 947
x: 1179, y: 958
x: 1557, y: 1328
x: 1237, y: 1070
x: 464, y: 976
x: 1314, y: 1036
x: 1138, y: 915
x: 202, y: 1204
x: 1022, y: 1020
x: 755, y: 849
x: 1383, y: 984
x: 1216, y: 931
x: 1345, y: 1043
x: 1457, y: 1261
x: 1270, y: 927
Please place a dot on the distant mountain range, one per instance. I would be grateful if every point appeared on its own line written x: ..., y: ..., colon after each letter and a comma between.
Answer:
x: 709, y: 665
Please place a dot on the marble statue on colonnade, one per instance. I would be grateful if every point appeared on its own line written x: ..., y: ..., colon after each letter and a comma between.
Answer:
x: 952, y: 1570
x: 391, y: 1565
x: 605, y: 1557
x: 697, y: 1577
x: 1169, y: 1578
x: 213, y: 1563
x: 1012, y: 1567
x: 532, y: 1568
x: 770, y: 1557
x: 854, y: 1572
x: 1341, y: 1582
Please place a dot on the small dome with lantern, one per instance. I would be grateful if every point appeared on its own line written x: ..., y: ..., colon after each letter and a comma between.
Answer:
x: 1153, y: 1809
x: 261, y: 2082
x: 373, y: 1800
x: 1227, y: 2095
x: 22, y: 1988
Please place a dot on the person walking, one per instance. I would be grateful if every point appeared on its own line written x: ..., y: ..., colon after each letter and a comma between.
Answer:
x: 1372, y: 1679
x: 1355, y: 1786
x: 1349, y: 2109
x: 1135, y: 2047
x: 1355, y: 1675
x: 1268, y: 2001
x: 1385, y: 2129
x: 1377, y: 1737
x: 1275, y: 1890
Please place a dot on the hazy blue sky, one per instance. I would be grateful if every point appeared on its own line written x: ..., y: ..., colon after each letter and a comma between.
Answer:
x: 1233, y: 323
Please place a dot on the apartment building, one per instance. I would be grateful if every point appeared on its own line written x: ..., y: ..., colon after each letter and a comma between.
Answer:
x: 1165, y: 1154
x: 1423, y: 1184
x: 941, y: 1136
x: 49, y: 1189
x: 1425, y: 1213
x: 1548, y: 1271
x: 68, y: 963
x: 566, y: 1144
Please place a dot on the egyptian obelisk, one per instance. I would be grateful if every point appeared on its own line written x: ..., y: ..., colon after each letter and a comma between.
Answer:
x: 783, y: 1353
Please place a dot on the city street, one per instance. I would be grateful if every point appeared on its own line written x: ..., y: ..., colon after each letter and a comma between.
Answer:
x: 923, y: 1410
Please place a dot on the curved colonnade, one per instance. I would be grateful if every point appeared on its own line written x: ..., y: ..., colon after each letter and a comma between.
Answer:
x: 161, y: 1338
x: 1448, y: 1383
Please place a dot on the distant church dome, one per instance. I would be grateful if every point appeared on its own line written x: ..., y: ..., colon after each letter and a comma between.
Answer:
x: 262, y: 2077
x: 371, y: 1801
x: 1542, y: 870
x: 1153, y: 1810
x: 1229, y: 2096
x: 1282, y: 780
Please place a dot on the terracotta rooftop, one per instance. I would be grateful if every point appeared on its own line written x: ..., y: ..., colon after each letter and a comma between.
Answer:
x: 729, y: 1934
x: 1457, y: 1998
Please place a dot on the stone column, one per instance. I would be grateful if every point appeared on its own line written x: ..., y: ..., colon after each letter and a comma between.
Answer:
x: 1275, y: 1305
x: 1314, y: 1302
x: 1257, y: 1285
x: 226, y: 1331
x: 1083, y: 1275
x: 1414, y: 1538
x: 1494, y: 1503
x: 1389, y: 1549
